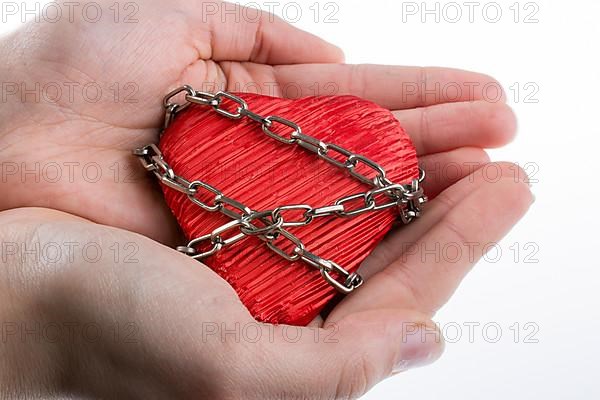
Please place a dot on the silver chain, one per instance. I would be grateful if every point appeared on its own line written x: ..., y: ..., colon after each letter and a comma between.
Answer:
x: 270, y: 225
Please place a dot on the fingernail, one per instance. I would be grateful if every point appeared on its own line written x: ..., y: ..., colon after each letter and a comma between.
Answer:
x: 421, y: 345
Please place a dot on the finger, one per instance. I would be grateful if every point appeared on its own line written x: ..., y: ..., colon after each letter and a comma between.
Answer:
x: 395, y: 243
x: 424, y: 276
x: 231, y: 32
x: 433, y: 129
x: 445, y: 169
x: 442, y: 171
x: 347, y: 358
x: 393, y: 87
x: 449, y: 126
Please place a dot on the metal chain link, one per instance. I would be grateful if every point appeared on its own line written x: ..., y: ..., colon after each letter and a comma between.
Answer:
x: 269, y: 226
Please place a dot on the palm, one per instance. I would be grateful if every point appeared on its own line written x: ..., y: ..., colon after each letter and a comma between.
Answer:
x: 136, y: 64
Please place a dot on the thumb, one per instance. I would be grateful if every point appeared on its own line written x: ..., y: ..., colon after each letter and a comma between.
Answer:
x: 347, y: 358
x: 239, y: 33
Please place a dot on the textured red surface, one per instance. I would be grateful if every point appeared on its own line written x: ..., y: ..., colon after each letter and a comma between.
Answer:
x: 237, y: 158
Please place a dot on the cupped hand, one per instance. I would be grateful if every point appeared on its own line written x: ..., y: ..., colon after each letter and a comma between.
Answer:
x: 176, y: 303
x: 91, y: 311
x: 80, y: 95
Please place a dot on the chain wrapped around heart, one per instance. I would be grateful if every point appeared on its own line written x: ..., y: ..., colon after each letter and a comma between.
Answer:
x: 272, y: 226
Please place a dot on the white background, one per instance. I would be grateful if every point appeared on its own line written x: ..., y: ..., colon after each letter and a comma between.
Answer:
x: 554, y: 64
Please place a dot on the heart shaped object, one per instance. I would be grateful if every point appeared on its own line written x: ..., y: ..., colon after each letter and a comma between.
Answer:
x: 237, y: 158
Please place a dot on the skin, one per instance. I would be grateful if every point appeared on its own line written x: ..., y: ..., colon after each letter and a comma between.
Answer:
x: 172, y: 303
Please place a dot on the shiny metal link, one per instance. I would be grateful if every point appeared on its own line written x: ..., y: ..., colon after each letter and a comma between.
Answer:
x: 410, y: 206
x: 178, y: 183
x: 310, y: 143
x: 192, y: 248
x: 355, y: 160
x: 269, y: 123
x: 194, y: 192
x: 326, y: 211
x: 269, y: 225
x: 171, y: 109
x: 152, y: 160
x: 187, y: 89
x: 170, y: 113
x: 368, y: 205
x: 218, y: 107
x: 203, y: 99
x: 297, y: 243
x: 216, y: 235
x: 325, y: 155
x: 161, y: 168
x: 327, y: 267
x: 254, y: 117
x: 391, y: 196
x: 306, y: 217
x: 237, y: 210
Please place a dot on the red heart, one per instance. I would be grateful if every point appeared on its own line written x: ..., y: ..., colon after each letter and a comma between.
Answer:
x: 237, y: 158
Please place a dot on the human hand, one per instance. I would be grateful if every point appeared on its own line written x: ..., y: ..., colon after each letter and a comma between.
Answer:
x: 188, y: 335
x: 403, y: 289
x: 91, y: 311
x: 80, y: 150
